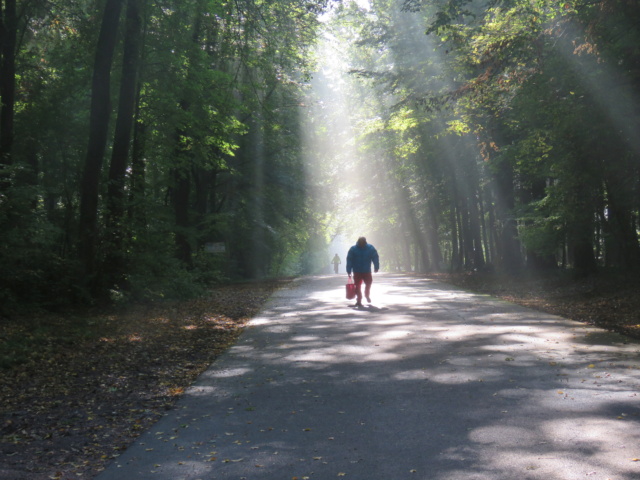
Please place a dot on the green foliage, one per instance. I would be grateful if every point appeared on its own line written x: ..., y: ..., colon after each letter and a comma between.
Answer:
x: 34, y: 273
x: 509, y: 128
x: 162, y: 277
x: 498, y: 135
x: 209, y: 69
x: 541, y: 230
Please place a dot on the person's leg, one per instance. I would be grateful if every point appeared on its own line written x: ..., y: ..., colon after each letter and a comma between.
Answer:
x: 357, y: 279
x: 368, y: 280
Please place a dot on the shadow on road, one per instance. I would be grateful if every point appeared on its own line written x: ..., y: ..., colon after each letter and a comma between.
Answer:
x: 429, y: 382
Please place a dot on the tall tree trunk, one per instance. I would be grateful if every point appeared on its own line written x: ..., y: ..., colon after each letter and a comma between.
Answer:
x: 205, y: 188
x: 475, y: 233
x: 181, y: 193
x: 137, y: 192
x: 435, y: 254
x: 98, y: 130
x: 483, y: 228
x: 621, y: 238
x: 115, y: 220
x: 183, y: 171
x: 466, y: 242
x: 421, y: 263
x: 137, y: 216
x: 580, y: 230
x: 509, y: 256
x: 455, y: 246
x: 406, y: 251
x: 535, y: 260
x: 492, y: 233
x: 8, y: 32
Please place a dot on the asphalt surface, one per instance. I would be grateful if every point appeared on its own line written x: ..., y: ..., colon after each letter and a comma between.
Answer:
x: 429, y: 383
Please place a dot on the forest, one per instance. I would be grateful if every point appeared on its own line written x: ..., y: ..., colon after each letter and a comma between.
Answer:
x: 150, y: 149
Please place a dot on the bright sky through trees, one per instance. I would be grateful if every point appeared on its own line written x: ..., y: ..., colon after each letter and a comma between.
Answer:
x: 335, y: 148
x: 360, y: 191
x: 460, y: 147
x: 333, y: 144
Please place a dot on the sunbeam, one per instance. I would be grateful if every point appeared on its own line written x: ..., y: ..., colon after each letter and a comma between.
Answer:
x: 363, y: 138
x: 334, y: 165
x: 605, y: 84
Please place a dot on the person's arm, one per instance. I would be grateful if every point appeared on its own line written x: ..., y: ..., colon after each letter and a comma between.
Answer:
x: 376, y: 260
x: 349, y: 266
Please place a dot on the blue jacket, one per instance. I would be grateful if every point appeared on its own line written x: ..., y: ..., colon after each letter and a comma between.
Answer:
x: 359, y: 259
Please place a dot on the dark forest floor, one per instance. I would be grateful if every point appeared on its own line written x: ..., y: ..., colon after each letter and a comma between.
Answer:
x: 609, y: 301
x: 76, y: 390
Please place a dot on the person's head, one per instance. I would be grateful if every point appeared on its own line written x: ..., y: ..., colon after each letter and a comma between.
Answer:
x: 362, y: 241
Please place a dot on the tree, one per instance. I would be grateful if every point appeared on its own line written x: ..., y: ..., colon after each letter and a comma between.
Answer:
x: 100, y: 114
x: 8, y: 36
x: 116, y: 207
x: 525, y: 125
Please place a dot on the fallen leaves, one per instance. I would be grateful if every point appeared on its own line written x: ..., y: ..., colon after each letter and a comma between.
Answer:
x: 84, y: 387
x: 609, y: 301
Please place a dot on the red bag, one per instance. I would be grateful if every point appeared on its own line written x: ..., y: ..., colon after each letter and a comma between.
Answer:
x: 351, y: 289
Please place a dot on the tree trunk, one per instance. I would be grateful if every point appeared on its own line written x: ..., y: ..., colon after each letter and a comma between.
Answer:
x: 509, y: 256
x: 137, y: 192
x: 580, y: 231
x: 8, y: 31
x: 492, y: 234
x: 98, y: 130
x: 475, y: 233
x: 621, y: 238
x: 137, y: 217
x: 182, y: 190
x: 435, y: 254
x: 466, y: 240
x: 122, y: 140
x: 455, y: 245
x: 406, y: 251
x: 181, y: 193
x: 421, y: 263
x: 483, y: 229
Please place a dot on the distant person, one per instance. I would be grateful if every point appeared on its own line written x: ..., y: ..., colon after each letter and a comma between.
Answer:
x: 359, y: 260
x: 336, y: 261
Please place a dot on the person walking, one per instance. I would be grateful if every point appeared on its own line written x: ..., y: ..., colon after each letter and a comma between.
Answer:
x: 336, y: 261
x: 359, y: 260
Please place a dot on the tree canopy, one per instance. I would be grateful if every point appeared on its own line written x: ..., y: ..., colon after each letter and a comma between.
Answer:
x: 505, y: 132
x: 149, y: 148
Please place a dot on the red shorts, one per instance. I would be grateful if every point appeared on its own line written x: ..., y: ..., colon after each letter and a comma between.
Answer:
x: 358, y: 278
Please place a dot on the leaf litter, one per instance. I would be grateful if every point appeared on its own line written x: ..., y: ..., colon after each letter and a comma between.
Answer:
x: 77, y: 397
x: 77, y: 390
x: 609, y: 300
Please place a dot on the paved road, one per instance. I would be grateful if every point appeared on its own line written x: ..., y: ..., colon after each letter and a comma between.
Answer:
x: 431, y: 383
